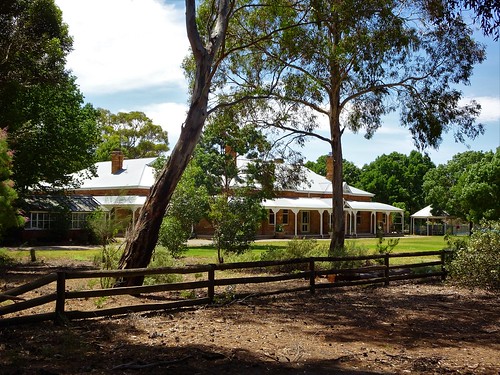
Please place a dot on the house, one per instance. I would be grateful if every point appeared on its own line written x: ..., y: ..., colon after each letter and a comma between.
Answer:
x: 57, y: 217
x: 306, y: 210
x: 122, y: 185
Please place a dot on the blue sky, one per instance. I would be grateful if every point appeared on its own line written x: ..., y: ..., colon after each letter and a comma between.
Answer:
x: 127, y: 56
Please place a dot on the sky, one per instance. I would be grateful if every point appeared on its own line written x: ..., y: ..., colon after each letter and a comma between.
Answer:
x: 127, y: 56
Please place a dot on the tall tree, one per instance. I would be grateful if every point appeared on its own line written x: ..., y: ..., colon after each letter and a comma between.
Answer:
x: 397, y: 178
x: 51, y: 132
x: 486, y: 13
x: 351, y: 172
x: 353, y: 62
x: 468, y: 186
x: 207, y: 53
x: 134, y: 133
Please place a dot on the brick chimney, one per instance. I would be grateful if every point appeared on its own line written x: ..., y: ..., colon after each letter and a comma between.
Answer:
x: 329, y: 167
x: 116, y: 161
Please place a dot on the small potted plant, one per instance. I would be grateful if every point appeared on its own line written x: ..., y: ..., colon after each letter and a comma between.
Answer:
x: 279, y: 231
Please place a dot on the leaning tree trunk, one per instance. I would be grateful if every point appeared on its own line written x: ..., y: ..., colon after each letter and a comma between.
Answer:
x: 141, y: 241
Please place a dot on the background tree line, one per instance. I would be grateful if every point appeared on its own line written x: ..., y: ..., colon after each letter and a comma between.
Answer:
x: 466, y: 187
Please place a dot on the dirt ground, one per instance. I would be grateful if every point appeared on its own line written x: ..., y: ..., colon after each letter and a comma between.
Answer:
x: 407, y: 328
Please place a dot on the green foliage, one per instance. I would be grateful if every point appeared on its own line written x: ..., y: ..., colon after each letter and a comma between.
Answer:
x: 5, y: 259
x: 318, y: 166
x: 189, y: 203
x: 40, y: 102
x: 9, y: 216
x: 468, y: 186
x: 235, y: 220
x: 476, y: 263
x: 162, y: 258
x: 296, y: 248
x: 133, y: 133
x: 383, y: 247
x: 350, y: 172
x: 102, y: 227
x: 350, y: 249
x: 173, y: 236
x: 108, y: 259
x: 351, y: 63
x: 397, y: 178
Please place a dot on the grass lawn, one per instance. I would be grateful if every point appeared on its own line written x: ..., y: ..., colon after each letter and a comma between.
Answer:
x: 209, y: 253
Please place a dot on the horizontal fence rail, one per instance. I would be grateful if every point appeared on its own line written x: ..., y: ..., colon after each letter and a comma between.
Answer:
x: 307, y: 269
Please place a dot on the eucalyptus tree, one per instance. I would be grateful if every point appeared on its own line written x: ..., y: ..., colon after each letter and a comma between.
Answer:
x: 208, y: 51
x: 50, y: 130
x: 351, y: 63
x: 467, y: 186
x: 132, y: 132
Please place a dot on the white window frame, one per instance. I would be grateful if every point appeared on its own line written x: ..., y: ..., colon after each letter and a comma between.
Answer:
x: 305, y: 226
x: 271, y: 217
x: 285, y: 217
x: 41, y: 219
x: 78, y: 220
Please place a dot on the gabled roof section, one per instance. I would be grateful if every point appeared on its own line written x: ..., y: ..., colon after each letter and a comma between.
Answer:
x: 326, y: 204
x: 426, y: 213
x: 51, y: 203
x: 136, y: 173
x: 313, y: 182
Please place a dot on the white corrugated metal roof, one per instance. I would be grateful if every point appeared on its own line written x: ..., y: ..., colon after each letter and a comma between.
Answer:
x: 136, y: 173
x: 120, y: 200
x: 372, y: 206
x: 425, y: 213
x: 314, y: 183
x: 325, y: 204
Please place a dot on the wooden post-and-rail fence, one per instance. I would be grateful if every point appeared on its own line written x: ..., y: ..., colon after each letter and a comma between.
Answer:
x: 384, y: 273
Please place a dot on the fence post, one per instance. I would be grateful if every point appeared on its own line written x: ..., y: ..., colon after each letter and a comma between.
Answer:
x: 386, y: 270
x: 211, y: 283
x: 443, y: 265
x: 60, y: 317
x: 312, y: 277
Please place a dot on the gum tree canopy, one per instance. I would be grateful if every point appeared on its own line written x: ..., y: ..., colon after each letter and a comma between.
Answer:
x: 349, y: 63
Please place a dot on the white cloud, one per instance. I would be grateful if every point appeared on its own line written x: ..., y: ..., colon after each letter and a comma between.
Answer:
x: 125, y: 44
x: 490, y: 107
x: 170, y: 116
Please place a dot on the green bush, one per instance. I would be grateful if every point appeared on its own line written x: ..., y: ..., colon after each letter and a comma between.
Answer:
x: 476, y: 263
x: 350, y: 249
x: 173, y: 236
x: 296, y: 248
x: 108, y: 259
x: 162, y: 258
x: 5, y: 259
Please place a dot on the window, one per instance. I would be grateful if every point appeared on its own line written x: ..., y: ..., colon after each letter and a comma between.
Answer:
x: 39, y: 220
x: 358, y: 218
x: 305, y: 220
x: 272, y: 219
x: 78, y: 220
x: 284, y: 220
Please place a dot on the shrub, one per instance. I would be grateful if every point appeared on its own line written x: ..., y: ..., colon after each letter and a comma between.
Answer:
x: 296, y: 248
x: 173, y: 236
x: 162, y: 258
x: 476, y: 264
x: 350, y: 249
x: 108, y: 259
x: 5, y: 259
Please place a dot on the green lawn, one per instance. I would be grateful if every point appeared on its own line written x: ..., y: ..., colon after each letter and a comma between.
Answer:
x: 209, y: 253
